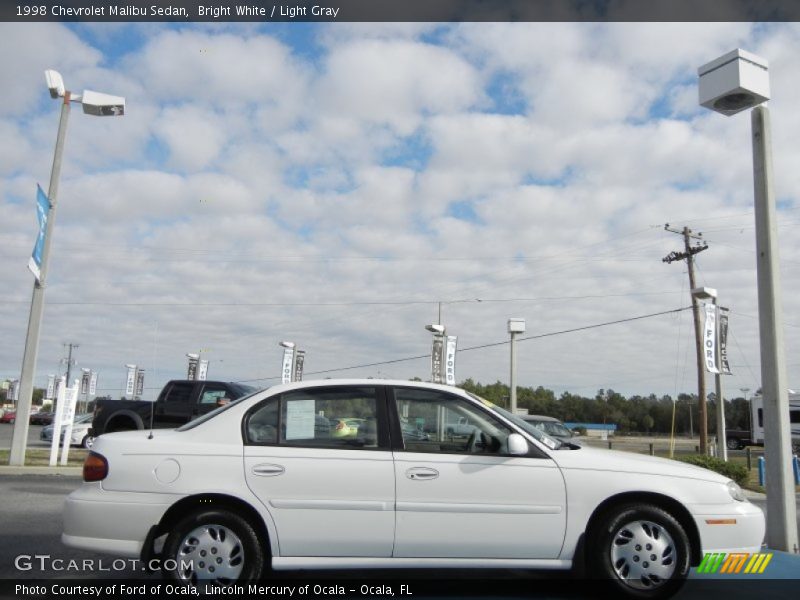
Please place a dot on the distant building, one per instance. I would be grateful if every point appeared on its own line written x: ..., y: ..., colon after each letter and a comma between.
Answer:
x: 598, y: 430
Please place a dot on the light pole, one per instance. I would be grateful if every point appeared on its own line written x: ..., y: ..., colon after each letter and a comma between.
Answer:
x: 515, y: 326
x: 93, y: 103
x: 705, y: 293
x: 730, y: 84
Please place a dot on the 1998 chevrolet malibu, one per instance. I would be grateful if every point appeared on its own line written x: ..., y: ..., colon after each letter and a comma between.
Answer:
x: 258, y: 483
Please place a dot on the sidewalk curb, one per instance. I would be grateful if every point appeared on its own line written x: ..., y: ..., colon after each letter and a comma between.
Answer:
x: 14, y: 470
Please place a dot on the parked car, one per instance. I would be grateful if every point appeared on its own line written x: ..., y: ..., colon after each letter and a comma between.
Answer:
x: 550, y: 425
x: 41, y: 418
x: 80, y: 432
x: 255, y: 485
x: 10, y: 416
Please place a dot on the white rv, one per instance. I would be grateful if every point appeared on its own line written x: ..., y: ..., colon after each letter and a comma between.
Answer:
x: 757, y: 420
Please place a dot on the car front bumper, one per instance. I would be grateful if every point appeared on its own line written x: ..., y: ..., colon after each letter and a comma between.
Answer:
x: 111, y: 522
x: 730, y: 527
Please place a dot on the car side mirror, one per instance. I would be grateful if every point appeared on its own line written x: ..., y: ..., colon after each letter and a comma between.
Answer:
x: 517, y: 446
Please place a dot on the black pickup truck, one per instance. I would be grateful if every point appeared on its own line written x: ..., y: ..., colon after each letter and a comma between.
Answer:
x: 179, y: 402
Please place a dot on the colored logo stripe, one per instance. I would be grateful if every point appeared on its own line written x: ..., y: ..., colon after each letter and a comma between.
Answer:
x: 734, y: 563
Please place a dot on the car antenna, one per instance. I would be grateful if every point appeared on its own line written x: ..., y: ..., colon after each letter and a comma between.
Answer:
x: 150, y: 437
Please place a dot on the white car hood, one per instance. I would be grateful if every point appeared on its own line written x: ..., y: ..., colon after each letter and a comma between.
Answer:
x: 600, y: 459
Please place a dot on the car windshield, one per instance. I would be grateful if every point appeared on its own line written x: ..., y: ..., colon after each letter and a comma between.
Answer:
x: 537, y: 433
x: 216, y: 411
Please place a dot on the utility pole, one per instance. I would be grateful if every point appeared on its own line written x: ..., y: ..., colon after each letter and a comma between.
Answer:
x: 69, y: 360
x: 687, y: 254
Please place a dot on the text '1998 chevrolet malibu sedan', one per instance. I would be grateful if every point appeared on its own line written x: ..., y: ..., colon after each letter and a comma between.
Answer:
x: 264, y: 482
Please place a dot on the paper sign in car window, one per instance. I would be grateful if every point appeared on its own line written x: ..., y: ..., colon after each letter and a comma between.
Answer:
x: 300, y: 420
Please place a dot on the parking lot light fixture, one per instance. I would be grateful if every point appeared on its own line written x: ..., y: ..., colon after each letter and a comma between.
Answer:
x: 729, y: 84
x: 94, y: 103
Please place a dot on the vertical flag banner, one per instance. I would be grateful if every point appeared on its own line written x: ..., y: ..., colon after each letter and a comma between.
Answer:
x: 298, y: 365
x: 85, y: 376
x: 58, y: 419
x: 450, y: 360
x: 93, y: 384
x: 130, y: 383
x: 724, y: 365
x: 286, y: 370
x: 51, y: 387
x: 191, y: 374
x: 437, y: 352
x: 710, y: 339
x: 139, y: 382
x: 202, y: 370
x: 68, y: 418
x: 42, y: 211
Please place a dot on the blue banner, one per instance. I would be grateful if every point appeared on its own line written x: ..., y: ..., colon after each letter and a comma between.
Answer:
x: 42, y: 211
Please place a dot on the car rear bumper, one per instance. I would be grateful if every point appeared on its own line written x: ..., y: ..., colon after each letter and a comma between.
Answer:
x: 92, y: 519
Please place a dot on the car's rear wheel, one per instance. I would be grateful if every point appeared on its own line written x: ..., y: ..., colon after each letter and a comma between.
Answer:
x: 213, y: 546
x: 640, y: 550
x: 87, y: 441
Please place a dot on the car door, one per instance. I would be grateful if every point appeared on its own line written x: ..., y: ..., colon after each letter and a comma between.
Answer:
x: 461, y: 494
x: 328, y: 496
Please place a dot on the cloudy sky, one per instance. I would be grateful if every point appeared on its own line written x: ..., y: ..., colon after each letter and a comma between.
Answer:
x: 331, y: 184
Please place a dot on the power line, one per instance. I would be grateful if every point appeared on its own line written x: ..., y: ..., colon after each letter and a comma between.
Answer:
x: 482, y: 346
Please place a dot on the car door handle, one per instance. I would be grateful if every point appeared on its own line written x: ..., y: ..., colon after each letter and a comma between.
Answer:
x: 422, y: 473
x: 268, y: 470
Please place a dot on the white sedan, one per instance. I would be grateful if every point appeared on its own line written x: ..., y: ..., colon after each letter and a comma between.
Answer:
x: 258, y: 484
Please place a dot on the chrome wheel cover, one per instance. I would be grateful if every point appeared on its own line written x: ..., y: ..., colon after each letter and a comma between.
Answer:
x: 643, y: 555
x: 210, y: 553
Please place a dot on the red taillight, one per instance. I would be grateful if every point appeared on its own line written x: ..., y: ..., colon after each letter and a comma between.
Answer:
x: 95, y: 467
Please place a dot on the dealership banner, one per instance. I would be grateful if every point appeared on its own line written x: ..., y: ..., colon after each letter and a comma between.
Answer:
x: 139, y: 383
x: 724, y: 365
x: 202, y: 370
x: 93, y: 384
x: 12, y: 394
x: 710, y: 339
x: 130, y: 383
x: 191, y: 373
x: 85, y: 378
x: 450, y: 360
x: 42, y: 211
x: 298, y: 365
x: 51, y: 387
x: 286, y: 369
x: 437, y: 355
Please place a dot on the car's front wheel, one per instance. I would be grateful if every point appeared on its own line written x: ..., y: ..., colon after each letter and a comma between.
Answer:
x: 640, y: 550
x: 734, y: 444
x: 213, y: 546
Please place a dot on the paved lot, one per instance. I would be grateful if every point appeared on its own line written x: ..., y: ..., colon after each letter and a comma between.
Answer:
x: 30, y: 527
x: 33, y: 436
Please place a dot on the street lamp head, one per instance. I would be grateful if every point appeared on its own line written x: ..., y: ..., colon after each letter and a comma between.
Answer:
x: 102, y: 105
x: 516, y: 325
x: 192, y: 355
x: 734, y: 82
x: 55, y: 83
x: 704, y: 293
x: 435, y: 328
x: 287, y: 344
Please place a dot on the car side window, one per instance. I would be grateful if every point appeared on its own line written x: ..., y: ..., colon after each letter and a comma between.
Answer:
x: 325, y: 417
x: 180, y: 393
x: 443, y: 423
x: 337, y: 417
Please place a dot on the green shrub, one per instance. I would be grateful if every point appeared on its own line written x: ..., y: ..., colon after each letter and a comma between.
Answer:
x: 736, y: 472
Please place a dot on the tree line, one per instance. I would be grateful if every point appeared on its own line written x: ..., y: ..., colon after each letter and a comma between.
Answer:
x: 640, y: 414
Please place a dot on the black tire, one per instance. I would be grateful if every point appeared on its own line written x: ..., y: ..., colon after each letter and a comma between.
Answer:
x: 734, y: 444
x: 640, y: 550
x: 228, y: 541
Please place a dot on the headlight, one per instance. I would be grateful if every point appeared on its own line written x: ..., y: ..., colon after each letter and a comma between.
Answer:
x: 735, y: 491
